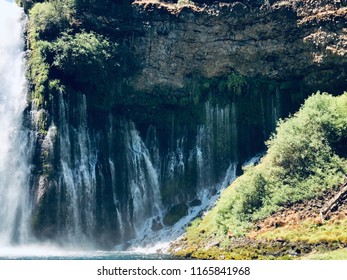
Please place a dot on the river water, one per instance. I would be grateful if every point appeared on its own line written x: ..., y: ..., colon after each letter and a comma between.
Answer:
x: 56, y: 253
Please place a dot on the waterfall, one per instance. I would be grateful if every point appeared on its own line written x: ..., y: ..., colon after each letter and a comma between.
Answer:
x: 143, y: 179
x: 96, y: 177
x: 77, y: 176
x: 15, y: 146
x: 100, y: 185
x: 275, y: 108
x: 140, y: 178
x: 216, y: 144
x: 114, y: 183
x: 209, y: 156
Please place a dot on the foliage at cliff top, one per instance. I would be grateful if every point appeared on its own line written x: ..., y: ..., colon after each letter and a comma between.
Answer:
x: 306, y: 155
x: 64, y: 52
x: 80, y: 5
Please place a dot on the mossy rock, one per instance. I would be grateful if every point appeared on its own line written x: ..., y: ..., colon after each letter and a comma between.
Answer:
x: 175, y: 213
x: 156, y: 225
x: 195, y: 202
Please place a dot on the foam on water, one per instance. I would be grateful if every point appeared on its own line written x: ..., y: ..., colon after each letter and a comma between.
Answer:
x: 51, y: 252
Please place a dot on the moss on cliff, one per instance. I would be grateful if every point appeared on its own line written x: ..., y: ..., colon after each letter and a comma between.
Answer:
x: 61, y: 49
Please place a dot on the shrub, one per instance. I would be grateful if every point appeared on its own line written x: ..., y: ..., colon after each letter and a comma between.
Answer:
x: 235, y: 83
x: 87, y: 61
x: 247, y: 197
x: 49, y: 19
x: 86, y: 56
x: 300, y: 163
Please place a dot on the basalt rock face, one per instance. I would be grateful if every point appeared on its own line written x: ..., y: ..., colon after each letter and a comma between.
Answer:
x: 281, y: 40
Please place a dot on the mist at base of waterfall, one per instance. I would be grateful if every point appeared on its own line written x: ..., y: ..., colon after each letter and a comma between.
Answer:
x: 51, y: 252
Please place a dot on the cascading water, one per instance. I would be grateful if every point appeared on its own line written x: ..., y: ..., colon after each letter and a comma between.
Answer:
x: 144, y: 201
x: 15, y: 147
x: 94, y: 176
x: 67, y: 185
x: 77, y: 177
x: 211, y: 155
x: 216, y: 143
x: 109, y: 184
x: 82, y: 176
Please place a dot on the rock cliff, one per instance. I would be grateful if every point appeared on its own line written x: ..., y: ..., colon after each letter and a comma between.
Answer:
x: 282, y: 40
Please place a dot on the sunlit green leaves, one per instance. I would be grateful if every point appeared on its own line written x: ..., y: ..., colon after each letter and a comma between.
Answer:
x: 85, y: 56
x: 235, y: 83
x: 303, y: 159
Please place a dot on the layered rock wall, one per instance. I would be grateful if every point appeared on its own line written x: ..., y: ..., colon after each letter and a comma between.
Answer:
x: 282, y: 40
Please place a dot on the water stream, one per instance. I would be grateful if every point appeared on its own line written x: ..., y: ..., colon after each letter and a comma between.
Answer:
x: 15, y: 146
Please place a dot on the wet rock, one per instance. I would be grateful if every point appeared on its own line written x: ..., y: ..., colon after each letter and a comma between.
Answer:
x: 175, y: 213
x: 195, y: 202
x: 156, y: 225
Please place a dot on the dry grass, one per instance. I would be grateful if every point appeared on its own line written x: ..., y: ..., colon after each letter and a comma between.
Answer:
x: 311, y: 232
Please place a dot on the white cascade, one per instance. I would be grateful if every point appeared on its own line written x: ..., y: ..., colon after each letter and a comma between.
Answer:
x: 215, y: 138
x: 143, y: 180
x: 15, y: 147
x: 78, y: 176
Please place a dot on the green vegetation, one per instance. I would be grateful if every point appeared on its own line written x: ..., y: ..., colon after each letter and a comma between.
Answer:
x: 310, y: 232
x: 235, y: 83
x: 63, y: 52
x: 47, y: 20
x: 340, y: 254
x: 305, y: 157
x: 84, y: 51
x: 88, y: 60
x: 224, y: 87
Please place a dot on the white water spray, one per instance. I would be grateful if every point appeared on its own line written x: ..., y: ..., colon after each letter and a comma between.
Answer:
x: 214, y: 138
x: 14, y: 149
x: 78, y: 176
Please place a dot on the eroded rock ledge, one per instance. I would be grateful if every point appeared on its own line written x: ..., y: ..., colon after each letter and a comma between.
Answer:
x: 282, y: 40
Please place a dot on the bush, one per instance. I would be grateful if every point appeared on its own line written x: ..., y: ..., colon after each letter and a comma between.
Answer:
x: 87, y: 56
x: 235, y: 83
x: 87, y: 61
x: 300, y: 163
x: 49, y: 19
x: 245, y: 199
x: 307, y: 141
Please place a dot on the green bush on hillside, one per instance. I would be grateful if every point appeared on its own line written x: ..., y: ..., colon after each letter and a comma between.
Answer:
x: 303, y: 159
x: 63, y: 51
x: 47, y: 21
